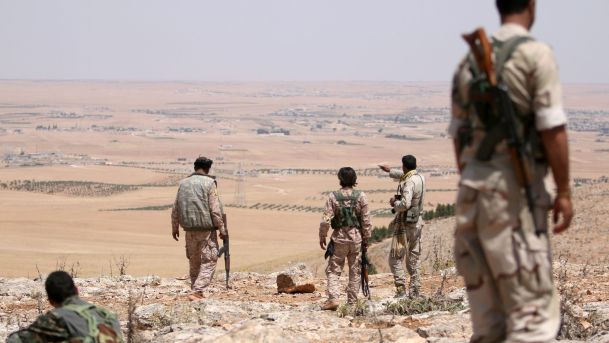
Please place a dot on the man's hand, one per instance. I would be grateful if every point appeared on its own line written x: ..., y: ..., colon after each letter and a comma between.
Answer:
x: 175, y: 233
x: 562, y: 208
x: 392, y: 202
x: 223, y: 236
x: 384, y: 168
x: 322, y: 244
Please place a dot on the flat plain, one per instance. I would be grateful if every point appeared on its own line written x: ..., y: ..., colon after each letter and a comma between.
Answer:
x: 88, y: 170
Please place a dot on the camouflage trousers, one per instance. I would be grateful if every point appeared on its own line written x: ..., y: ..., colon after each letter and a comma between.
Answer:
x: 336, y: 263
x: 505, y: 265
x: 411, y: 253
x: 202, y: 254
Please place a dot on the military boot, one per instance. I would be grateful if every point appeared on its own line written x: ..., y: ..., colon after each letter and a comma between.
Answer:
x: 330, y: 305
x: 413, y: 292
x: 400, y: 292
x: 195, y: 296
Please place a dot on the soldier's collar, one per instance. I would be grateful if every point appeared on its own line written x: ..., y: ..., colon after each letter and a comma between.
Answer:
x: 201, y: 174
x: 407, y: 175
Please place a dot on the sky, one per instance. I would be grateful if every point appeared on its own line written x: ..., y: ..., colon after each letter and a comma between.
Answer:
x: 278, y: 40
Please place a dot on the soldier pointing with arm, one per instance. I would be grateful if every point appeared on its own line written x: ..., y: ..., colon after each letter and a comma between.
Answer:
x: 197, y: 209
x: 509, y: 126
x: 407, y: 225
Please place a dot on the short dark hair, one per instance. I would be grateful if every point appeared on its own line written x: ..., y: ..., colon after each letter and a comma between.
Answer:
x: 59, y: 286
x: 507, y: 7
x: 203, y: 163
x: 347, y: 177
x: 410, y: 162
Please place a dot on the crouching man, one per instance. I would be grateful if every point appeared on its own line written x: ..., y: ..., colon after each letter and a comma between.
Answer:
x: 71, y: 320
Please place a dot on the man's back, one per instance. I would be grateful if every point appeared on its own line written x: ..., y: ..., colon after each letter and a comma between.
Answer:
x: 76, y: 320
x: 193, y: 202
x: 532, y: 78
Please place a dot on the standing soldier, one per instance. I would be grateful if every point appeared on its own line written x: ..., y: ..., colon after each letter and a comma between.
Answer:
x: 501, y: 243
x: 197, y: 209
x: 71, y: 320
x: 347, y: 213
x: 407, y: 225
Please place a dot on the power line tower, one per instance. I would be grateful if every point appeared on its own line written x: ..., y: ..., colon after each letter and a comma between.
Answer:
x: 239, y: 197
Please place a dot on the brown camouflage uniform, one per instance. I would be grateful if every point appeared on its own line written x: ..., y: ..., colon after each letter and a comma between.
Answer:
x: 506, y: 267
x: 347, y: 245
x: 406, y: 242
x: 61, y: 325
x: 202, y: 245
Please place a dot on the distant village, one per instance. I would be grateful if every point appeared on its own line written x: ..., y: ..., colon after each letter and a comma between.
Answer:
x: 25, y: 159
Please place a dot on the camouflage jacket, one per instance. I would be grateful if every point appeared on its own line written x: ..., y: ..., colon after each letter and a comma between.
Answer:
x: 64, y: 325
x: 346, y: 235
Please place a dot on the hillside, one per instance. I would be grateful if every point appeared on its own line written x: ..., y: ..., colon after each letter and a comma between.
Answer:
x: 154, y: 309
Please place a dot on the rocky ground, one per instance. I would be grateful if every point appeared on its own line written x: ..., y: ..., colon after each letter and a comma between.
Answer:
x: 153, y: 309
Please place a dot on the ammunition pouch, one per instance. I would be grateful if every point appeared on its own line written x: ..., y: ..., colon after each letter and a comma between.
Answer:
x: 412, y: 215
x: 347, y: 215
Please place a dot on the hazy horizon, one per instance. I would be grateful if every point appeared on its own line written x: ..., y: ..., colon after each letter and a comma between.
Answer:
x: 277, y: 41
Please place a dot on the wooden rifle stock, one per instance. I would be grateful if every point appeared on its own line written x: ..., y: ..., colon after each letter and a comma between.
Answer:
x: 483, y: 53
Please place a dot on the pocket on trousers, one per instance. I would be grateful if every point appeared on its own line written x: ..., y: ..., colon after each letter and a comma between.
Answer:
x: 468, y: 267
x: 534, y: 266
x: 466, y: 195
x: 211, y: 250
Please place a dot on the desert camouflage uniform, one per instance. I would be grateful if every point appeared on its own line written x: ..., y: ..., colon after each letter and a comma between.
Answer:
x: 407, y: 236
x: 347, y: 245
x: 202, y: 241
x: 63, y: 325
x: 505, y: 265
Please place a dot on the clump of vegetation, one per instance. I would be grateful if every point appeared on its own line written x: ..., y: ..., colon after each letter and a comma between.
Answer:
x: 372, y: 269
x: 379, y: 233
x: 359, y: 308
x: 441, y: 211
x: 408, y: 306
x: 71, y: 188
x: 575, y: 323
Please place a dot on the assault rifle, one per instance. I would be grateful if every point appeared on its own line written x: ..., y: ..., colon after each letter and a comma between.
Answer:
x: 226, y: 251
x: 364, y: 271
x: 502, y: 106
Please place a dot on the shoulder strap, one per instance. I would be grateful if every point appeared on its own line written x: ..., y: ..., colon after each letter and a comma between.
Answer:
x: 473, y: 66
x: 422, y: 191
x: 341, y: 197
x: 504, y: 51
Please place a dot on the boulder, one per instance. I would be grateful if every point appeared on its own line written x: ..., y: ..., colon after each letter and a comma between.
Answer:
x: 295, y: 279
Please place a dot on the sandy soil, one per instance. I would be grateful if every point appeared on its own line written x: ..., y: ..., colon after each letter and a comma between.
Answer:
x: 134, y: 134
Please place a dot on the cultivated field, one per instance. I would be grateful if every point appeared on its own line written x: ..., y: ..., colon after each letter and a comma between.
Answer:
x: 88, y: 169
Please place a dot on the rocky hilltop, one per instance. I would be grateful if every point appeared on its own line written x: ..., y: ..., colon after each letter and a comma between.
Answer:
x: 154, y: 309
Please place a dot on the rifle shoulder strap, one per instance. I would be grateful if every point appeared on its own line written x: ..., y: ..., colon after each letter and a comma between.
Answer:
x: 422, y: 193
x: 505, y: 50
